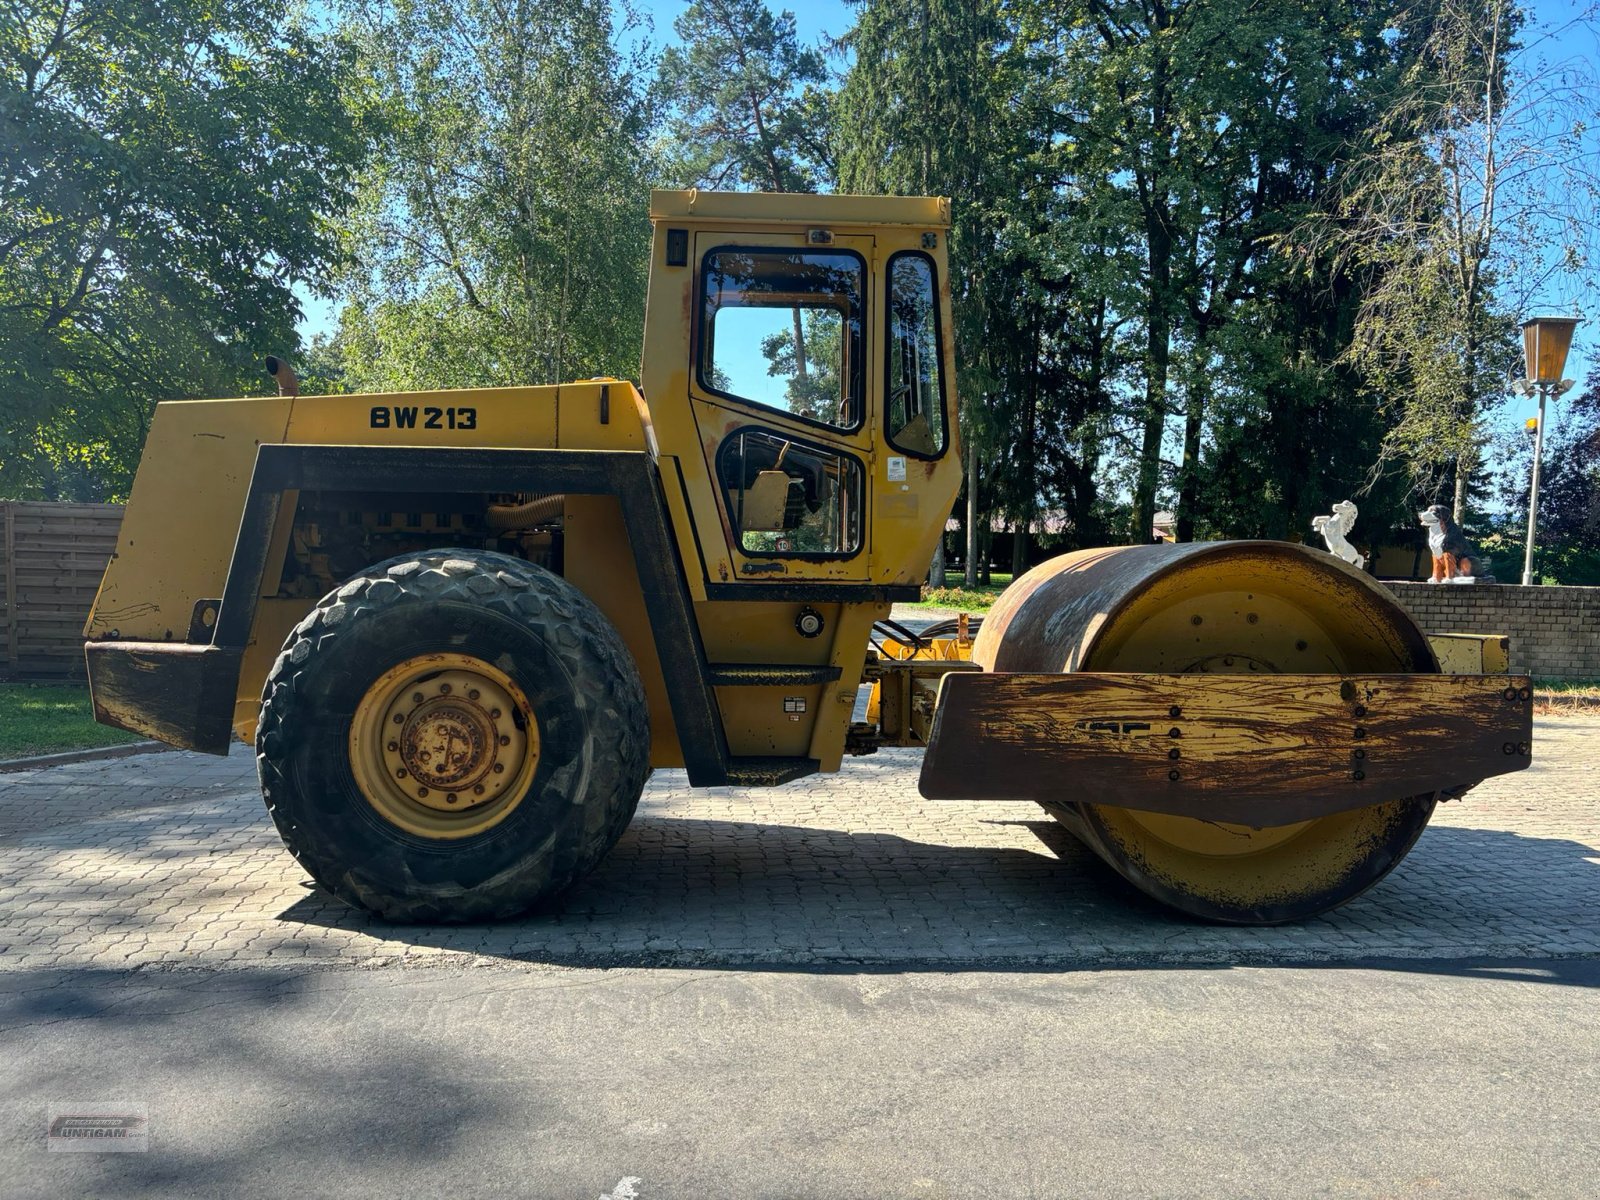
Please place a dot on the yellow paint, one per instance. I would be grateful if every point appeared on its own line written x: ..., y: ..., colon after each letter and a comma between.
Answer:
x: 444, y: 746
x: 1471, y: 653
x: 179, y: 532
x: 600, y: 565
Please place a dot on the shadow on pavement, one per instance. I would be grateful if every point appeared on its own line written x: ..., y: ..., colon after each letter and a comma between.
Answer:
x: 743, y: 895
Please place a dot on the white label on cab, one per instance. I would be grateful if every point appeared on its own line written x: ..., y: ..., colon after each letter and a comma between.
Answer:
x: 897, y: 469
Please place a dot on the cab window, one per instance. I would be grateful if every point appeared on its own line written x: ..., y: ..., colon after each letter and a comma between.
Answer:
x: 782, y: 329
x: 915, y: 407
x: 789, y: 498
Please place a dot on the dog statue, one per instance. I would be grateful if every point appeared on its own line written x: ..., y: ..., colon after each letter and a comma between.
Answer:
x: 1455, y: 560
x: 1335, y: 529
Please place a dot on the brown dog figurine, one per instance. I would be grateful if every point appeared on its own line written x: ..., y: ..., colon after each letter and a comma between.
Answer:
x: 1455, y: 560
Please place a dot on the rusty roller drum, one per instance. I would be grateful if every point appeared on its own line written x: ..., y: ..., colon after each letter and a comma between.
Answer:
x: 1220, y: 607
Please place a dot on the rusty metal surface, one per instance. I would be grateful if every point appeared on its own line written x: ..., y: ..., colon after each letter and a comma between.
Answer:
x: 175, y: 692
x: 1258, y: 751
x: 1065, y: 614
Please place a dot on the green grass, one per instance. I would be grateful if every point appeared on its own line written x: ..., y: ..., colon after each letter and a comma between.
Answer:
x: 48, y: 718
x: 978, y: 600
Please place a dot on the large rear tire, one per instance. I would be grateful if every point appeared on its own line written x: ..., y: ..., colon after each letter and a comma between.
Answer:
x: 452, y: 736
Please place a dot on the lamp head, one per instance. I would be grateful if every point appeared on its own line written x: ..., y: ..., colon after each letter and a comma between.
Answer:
x: 1545, y: 342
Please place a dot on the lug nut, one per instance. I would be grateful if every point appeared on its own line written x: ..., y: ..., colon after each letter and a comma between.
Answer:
x: 394, y: 747
x: 398, y: 718
x: 472, y: 694
x: 422, y: 791
x: 1251, y: 618
x: 400, y: 774
x: 416, y: 697
x: 504, y: 740
x: 450, y: 798
x: 444, y: 689
x: 494, y: 714
x: 477, y: 790
x: 499, y: 768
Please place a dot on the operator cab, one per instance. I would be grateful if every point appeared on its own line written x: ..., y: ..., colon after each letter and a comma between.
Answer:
x: 800, y: 344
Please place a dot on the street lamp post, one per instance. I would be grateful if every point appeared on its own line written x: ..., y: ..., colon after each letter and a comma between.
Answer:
x: 1545, y: 342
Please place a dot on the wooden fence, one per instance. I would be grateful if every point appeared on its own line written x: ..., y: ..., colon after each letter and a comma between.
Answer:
x: 51, y: 560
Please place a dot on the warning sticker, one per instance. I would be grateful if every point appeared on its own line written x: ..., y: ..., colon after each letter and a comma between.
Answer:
x: 897, y: 468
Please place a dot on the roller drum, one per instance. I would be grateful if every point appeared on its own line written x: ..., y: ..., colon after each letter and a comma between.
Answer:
x: 1224, y: 608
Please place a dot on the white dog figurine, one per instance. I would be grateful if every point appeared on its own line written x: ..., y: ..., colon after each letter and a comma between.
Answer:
x: 1334, y: 530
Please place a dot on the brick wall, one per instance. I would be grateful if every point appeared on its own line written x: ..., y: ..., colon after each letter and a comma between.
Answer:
x: 1554, y: 631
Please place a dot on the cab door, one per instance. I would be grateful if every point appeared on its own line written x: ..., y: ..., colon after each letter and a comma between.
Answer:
x: 784, y: 397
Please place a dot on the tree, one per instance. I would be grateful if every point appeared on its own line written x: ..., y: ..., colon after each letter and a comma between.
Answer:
x: 1568, y: 546
x: 1483, y: 163
x: 502, y: 235
x: 167, y: 171
x: 742, y: 96
x: 743, y: 100
x: 925, y: 109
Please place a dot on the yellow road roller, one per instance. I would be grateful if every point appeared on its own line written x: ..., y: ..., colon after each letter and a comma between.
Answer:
x: 462, y: 627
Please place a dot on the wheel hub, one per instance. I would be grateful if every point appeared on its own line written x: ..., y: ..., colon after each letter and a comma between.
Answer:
x: 444, y: 745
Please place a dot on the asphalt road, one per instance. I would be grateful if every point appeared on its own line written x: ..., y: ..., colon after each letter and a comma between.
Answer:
x: 1405, y: 1078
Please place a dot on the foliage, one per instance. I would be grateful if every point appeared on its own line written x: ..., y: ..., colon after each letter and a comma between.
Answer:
x: 744, y: 108
x: 167, y: 170
x: 1240, y: 261
x: 1478, y: 167
x: 1567, y: 549
x: 934, y: 104
x: 502, y: 234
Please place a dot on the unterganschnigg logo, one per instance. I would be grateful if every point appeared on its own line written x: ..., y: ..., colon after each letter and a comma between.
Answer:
x: 97, y: 1127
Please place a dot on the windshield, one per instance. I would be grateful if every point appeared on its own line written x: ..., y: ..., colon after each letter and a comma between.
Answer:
x: 782, y: 329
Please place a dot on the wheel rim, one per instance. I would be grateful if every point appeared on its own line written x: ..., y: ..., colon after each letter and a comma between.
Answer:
x: 444, y: 745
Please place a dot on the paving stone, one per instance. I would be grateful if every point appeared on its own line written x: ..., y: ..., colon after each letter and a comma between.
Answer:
x: 170, y: 860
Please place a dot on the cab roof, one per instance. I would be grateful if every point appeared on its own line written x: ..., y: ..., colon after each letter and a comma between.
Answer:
x: 799, y: 208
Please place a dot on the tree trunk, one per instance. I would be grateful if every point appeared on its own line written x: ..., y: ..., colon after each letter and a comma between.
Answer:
x: 1158, y: 349
x: 972, y: 513
x: 1189, y: 474
x: 936, y: 571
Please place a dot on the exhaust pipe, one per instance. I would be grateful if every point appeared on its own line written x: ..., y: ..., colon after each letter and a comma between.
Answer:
x: 288, y: 382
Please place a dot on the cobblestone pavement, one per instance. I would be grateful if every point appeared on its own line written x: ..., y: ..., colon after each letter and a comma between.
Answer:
x: 170, y: 860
